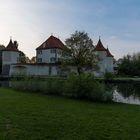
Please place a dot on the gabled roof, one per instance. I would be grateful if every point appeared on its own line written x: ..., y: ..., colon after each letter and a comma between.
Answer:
x: 11, y: 47
x: 51, y: 42
x: 108, y: 53
x: 99, y: 46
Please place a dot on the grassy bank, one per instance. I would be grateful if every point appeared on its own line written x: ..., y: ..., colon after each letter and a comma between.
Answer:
x: 25, y: 116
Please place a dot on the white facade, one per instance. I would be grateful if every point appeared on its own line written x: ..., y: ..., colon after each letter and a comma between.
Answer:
x: 33, y: 70
x: 110, y: 65
x: 105, y: 63
x: 10, y: 57
x: 102, y: 61
x: 48, y: 55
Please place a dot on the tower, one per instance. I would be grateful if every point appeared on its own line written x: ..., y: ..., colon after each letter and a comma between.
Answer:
x: 10, y: 55
x: 101, y: 52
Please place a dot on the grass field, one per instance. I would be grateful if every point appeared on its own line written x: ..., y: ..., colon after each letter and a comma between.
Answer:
x: 25, y: 116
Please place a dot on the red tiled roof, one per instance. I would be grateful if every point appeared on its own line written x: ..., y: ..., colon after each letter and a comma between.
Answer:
x: 99, y: 46
x: 11, y: 47
x: 108, y: 53
x: 51, y: 42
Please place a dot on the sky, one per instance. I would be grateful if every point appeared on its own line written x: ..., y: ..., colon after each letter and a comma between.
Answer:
x: 31, y: 22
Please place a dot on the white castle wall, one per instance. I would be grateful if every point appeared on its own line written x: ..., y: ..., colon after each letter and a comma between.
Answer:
x: 10, y: 57
x: 33, y: 70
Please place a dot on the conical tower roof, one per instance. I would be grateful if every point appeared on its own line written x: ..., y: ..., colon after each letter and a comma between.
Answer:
x: 11, y: 47
x: 99, y: 46
x: 108, y: 53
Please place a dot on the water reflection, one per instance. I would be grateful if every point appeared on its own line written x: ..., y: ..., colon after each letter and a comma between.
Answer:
x: 125, y: 92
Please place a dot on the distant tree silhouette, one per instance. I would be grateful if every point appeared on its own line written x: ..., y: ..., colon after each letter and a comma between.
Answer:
x: 130, y: 65
x: 16, y: 44
x: 1, y: 48
x: 33, y: 59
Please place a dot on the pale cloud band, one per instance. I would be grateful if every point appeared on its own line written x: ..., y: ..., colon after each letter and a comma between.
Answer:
x: 30, y: 22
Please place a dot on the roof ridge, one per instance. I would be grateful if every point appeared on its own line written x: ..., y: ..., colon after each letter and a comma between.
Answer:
x: 52, y: 42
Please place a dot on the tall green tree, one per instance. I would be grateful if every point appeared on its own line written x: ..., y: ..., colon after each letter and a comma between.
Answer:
x: 79, y: 52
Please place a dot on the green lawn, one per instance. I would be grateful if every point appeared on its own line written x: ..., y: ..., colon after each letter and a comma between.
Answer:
x: 25, y: 116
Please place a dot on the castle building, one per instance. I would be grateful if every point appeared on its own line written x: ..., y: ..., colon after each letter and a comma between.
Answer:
x: 50, y: 51
x: 105, y: 58
x: 10, y: 55
x: 47, y: 55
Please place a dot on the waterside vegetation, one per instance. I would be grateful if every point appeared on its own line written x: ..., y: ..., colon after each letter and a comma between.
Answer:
x: 83, y: 86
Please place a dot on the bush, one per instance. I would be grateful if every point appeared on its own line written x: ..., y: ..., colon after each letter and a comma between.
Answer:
x: 78, y: 86
x: 109, y: 76
x: 85, y: 87
x: 47, y: 86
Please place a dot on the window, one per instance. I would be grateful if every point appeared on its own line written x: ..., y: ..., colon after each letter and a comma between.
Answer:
x: 53, y: 50
x: 39, y: 52
x: 59, y: 51
x: 39, y: 60
x: 53, y: 59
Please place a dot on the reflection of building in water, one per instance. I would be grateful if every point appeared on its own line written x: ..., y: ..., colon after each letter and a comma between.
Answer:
x: 118, y: 97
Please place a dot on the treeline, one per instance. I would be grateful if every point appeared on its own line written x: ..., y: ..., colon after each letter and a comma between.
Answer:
x: 130, y: 65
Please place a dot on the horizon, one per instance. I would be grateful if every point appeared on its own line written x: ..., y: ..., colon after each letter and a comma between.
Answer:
x: 30, y: 23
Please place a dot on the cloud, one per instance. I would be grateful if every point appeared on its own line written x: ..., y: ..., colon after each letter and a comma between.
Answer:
x: 30, y: 22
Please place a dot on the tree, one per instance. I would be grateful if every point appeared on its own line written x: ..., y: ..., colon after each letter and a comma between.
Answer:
x: 33, y: 59
x: 1, y: 48
x: 23, y: 58
x: 130, y: 65
x: 80, y: 52
x: 16, y: 44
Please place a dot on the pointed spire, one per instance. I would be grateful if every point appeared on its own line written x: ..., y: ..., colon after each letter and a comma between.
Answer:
x: 108, y: 53
x: 99, y: 46
x: 11, y: 46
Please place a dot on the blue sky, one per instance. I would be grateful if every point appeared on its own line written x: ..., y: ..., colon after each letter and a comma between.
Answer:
x: 31, y: 22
